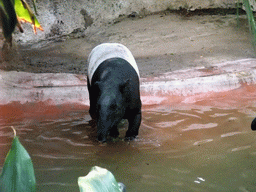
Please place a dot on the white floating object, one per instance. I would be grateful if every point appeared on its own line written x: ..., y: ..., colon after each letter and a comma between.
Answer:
x: 98, y: 180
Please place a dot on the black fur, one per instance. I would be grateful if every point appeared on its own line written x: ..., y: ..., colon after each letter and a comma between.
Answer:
x: 114, y: 95
x: 253, y: 125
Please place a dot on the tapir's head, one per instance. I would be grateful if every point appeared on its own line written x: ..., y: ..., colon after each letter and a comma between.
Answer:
x: 110, y: 109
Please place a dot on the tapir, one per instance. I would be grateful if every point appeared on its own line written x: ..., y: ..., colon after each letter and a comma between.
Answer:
x: 114, y: 90
x: 253, y: 124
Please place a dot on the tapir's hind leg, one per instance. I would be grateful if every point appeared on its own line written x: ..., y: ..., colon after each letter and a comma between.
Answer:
x: 92, y: 108
x: 134, y: 125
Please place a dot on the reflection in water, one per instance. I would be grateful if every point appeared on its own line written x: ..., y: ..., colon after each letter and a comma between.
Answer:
x: 201, y: 146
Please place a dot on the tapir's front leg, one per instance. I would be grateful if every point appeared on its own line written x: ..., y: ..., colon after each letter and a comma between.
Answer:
x: 113, y: 132
x: 134, y: 124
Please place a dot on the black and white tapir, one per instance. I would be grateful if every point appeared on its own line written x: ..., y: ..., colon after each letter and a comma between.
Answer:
x: 113, y: 85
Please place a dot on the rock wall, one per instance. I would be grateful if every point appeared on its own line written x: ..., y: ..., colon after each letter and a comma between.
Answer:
x: 63, y: 17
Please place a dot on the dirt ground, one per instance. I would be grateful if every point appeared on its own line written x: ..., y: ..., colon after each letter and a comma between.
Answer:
x: 161, y: 42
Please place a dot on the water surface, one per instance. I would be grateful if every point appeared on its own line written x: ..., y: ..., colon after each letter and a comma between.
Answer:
x: 197, y: 143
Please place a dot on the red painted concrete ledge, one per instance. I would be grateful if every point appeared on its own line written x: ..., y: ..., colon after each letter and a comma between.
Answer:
x: 63, y: 88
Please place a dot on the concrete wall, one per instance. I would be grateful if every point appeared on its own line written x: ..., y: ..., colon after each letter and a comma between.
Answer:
x: 62, y: 17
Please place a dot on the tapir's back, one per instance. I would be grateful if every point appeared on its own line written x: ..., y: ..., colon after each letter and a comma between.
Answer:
x: 107, y: 51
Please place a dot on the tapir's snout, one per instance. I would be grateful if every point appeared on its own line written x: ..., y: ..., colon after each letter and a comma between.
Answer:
x: 102, y: 138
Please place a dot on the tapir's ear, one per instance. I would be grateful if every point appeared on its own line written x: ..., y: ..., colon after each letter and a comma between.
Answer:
x: 124, y: 85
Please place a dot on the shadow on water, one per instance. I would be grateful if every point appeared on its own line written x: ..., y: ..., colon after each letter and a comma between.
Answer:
x: 195, y: 144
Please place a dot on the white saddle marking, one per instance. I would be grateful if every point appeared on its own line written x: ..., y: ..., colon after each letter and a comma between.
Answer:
x: 106, y: 51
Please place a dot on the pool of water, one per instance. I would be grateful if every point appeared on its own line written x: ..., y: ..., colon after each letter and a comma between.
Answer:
x: 194, y: 143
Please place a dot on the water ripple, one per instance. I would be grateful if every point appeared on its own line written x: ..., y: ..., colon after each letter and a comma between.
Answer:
x: 57, y: 156
x: 5, y: 144
x: 201, y: 126
x: 147, y: 126
x: 219, y: 115
x: 66, y: 140
x: 190, y: 115
x: 60, y: 169
x: 230, y: 134
x: 2, y: 134
x: 55, y: 183
x: 203, y: 141
x: 169, y: 124
x: 241, y: 148
x: 199, y: 180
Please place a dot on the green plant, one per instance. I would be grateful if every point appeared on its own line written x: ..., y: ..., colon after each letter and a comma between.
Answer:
x: 250, y: 17
x: 18, y: 172
x: 25, y: 14
x: 12, y: 12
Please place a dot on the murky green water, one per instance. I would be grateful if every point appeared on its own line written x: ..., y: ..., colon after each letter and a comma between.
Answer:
x: 206, y: 145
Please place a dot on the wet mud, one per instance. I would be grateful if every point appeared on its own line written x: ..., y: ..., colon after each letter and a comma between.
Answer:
x: 160, y: 43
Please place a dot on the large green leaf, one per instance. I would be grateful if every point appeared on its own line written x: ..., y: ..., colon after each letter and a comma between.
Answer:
x: 18, y: 172
x: 98, y: 180
x: 12, y: 12
x: 25, y: 14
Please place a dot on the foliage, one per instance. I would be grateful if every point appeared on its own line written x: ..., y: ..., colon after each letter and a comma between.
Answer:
x: 18, y: 172
x: 99, y: 180
x: 250, y: 17
x: 8, y: 18
x: 25, y: 14
x: 12, y: 12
